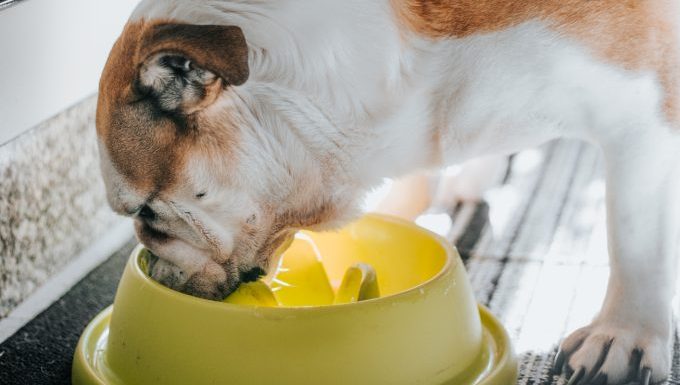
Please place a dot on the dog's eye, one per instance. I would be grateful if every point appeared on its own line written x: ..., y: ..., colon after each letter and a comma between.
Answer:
x: 200, y: 195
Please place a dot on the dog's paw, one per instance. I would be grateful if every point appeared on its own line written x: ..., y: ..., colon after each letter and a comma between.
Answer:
x: 604, y: 353
x: 209, y: 282
x: 167, y: 274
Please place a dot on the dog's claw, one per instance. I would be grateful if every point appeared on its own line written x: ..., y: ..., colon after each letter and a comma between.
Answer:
x: 560, y: 357
x: 576, y: 377
x: 588, y: 379
x: 645, y: 376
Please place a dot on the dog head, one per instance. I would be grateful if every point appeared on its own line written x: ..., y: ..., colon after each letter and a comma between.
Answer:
x: 215, y: 180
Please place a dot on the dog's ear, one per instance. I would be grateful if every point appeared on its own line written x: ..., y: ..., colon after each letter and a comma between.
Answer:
x: 185, y: 67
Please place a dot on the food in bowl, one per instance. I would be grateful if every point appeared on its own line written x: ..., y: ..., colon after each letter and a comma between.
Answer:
x: 301, y: 280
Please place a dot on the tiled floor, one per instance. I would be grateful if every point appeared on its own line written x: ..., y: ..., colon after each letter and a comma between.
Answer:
x: 536, y: 256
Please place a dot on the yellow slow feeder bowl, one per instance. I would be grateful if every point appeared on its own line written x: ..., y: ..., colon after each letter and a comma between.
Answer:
x: 425, y: 328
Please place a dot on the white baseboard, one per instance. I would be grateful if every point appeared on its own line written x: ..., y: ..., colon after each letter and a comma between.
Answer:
x: 61, y: 282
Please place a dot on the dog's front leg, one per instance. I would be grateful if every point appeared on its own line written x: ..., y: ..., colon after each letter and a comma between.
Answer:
x: 630, y: 339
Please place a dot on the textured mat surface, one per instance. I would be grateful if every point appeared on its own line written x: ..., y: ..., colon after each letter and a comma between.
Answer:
x: 535, y: 252
x: 41, y: 352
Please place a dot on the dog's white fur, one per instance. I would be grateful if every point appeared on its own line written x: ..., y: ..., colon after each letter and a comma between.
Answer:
x: 351, y: 85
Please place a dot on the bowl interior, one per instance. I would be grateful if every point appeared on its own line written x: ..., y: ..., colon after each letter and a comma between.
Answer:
x: 403, y: 257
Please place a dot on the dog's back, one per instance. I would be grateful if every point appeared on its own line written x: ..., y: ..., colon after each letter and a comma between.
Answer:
x: 635, y: 35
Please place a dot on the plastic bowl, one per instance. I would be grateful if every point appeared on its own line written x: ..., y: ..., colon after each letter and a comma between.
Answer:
x: 425, y: 329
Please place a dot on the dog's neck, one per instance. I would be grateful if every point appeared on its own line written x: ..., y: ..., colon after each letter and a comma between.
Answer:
x: 343, y: 60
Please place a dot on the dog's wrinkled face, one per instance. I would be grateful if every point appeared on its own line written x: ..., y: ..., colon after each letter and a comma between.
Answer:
x: 213, y: 191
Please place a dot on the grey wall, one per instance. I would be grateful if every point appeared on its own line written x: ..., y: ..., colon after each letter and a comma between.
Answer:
x: 52, y: 55
x: 52, y: 202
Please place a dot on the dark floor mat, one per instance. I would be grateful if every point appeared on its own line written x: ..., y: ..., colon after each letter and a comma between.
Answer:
x: 41, y: 351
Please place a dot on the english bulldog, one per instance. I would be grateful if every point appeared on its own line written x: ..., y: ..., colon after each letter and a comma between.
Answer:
x: 226, y: 125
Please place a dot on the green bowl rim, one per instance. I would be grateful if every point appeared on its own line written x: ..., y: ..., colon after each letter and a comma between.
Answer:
x: 452, y: 261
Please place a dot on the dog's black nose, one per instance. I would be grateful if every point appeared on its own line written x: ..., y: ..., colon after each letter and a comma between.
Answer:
x: 251, y: 275
x: 147, y: 213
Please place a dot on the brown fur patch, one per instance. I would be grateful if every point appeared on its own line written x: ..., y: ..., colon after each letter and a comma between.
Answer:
x: 635, y: 34
x: 146, y: 145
